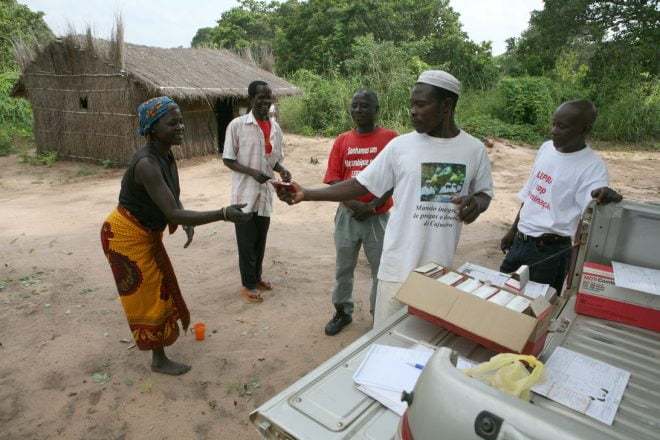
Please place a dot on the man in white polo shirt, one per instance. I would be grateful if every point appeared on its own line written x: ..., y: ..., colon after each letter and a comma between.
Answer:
x: 422, y: 228
x: 567, y: 174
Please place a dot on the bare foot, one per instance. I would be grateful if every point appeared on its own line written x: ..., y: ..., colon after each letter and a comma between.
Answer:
x: 167, y: 366
x: 161, y: 364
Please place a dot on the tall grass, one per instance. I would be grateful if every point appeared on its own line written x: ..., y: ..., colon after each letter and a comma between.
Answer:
x: 633, y: 115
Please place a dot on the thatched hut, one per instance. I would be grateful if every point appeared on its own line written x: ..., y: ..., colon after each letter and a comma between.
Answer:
x: 85, y: 92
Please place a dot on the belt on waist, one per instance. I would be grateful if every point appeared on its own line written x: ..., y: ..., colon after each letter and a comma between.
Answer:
x: 548, y: 238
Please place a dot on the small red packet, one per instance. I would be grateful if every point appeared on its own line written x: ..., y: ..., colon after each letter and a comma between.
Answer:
x: 277, y: 184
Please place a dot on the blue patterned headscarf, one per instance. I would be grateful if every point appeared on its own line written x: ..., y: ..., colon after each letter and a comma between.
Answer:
x: 152, y: 110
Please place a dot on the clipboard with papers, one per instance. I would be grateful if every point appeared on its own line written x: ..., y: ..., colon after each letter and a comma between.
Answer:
x: 387, y: 371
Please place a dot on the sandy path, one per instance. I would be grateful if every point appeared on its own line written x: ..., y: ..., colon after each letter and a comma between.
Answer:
x: 63, y: 321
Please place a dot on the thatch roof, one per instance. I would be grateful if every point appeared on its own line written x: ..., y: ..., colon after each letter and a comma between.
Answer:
x: 183, y: 73
x: 190, y: 73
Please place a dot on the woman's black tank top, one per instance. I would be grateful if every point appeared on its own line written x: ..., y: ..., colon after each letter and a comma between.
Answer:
x: 134, y: 196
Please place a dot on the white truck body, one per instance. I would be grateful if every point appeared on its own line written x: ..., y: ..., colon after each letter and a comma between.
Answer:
x: 325, y: 404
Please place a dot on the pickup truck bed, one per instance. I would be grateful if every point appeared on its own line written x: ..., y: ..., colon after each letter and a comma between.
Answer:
x: 325, y: 404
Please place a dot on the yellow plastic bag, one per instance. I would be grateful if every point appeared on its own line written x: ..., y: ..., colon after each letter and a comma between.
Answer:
x: 506, y: 372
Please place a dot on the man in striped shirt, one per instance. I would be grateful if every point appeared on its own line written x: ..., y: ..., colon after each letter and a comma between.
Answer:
x: 253, y: 151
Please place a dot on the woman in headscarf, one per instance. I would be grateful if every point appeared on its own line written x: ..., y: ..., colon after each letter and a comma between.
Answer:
x: 132, y: 234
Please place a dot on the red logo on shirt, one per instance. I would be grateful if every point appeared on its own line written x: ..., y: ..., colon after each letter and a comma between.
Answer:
x: 540, y: 189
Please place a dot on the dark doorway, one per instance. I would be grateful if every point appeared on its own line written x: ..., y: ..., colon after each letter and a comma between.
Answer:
x: 223, y: 115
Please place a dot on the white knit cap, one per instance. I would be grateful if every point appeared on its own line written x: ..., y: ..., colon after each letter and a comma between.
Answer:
x: 440, y: 79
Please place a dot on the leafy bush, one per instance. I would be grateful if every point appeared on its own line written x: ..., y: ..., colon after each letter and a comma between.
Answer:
x: 15, y: 114
x: 477, y: 112
x: 473, y: 103
x: 528, y: 101
x: 323, y: 107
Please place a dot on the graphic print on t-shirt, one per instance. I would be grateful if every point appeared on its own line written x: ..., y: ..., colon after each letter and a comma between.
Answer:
x: 441, y: 181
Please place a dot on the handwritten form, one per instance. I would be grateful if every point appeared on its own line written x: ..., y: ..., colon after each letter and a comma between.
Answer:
x: 636, y: 278
x: 584, y: 384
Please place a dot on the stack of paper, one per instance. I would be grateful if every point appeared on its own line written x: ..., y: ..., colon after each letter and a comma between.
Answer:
x: 534, y: 290
x: 485, y: 291
x: 484, y: 274
x: 428, y: 268
x: 387, y: 371
x: 451, y: 278
x: 519, y: 303
x: 502, y: 298
x: 469, y: 285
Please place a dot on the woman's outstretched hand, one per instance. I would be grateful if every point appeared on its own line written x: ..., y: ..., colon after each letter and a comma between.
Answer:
x: 235, y: 214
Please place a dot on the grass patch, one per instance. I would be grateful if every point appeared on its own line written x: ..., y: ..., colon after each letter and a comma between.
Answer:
x: 48, y: 158
x: 85, y: 171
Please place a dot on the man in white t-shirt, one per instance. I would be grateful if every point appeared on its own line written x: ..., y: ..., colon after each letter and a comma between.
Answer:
x: 567, y: 174
x: 421, y: 229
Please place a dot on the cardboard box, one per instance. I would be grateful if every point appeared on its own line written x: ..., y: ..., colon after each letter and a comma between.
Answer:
x: 599, y: 297
x: 491, y: 325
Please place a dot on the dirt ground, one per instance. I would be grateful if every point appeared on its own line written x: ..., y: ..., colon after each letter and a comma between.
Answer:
x: 62, y: 320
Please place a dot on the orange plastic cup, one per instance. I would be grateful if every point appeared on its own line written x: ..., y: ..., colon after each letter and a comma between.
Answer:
x: 199, y: 329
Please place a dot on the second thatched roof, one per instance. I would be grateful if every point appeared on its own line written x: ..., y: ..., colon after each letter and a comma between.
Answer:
x: 198, y: 73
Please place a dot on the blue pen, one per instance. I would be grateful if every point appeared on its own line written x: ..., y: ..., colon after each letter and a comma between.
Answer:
x: 418, y: 366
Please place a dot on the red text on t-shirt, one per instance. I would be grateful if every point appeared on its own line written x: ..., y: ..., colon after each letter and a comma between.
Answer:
x: 352, y: 152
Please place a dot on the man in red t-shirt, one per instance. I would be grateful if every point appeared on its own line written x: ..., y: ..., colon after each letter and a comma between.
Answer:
x: 358, y: 222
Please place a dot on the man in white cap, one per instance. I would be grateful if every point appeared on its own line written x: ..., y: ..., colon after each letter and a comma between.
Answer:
x: 419, y: 231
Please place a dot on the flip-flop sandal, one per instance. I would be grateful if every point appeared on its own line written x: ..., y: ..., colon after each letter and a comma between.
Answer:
x: 253, y: 296
x: 265, y: 285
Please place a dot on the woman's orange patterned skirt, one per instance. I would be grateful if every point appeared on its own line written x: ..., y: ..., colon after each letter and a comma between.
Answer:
x: 146, y: 283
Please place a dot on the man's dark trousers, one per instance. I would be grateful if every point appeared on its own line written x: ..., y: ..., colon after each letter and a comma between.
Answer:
x: 531, y: 252
x: 251, y: 239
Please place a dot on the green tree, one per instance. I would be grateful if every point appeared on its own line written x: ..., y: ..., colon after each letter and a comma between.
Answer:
x: 203, y: 38
x: 250, y: 25
x: 18, y: 22
x: 589, y: 25
x: 318, y: 34
x: 559, y: 23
